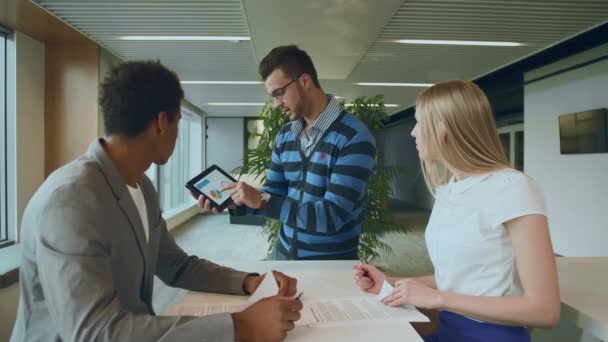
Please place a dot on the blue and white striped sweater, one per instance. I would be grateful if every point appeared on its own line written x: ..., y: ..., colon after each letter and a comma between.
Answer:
x: 321, y: 195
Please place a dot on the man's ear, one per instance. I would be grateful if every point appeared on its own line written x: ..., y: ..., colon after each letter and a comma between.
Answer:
x: 306, y: 81
x: 162, y: 121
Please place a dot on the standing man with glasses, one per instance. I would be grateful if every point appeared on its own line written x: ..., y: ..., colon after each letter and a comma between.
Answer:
x: 321, y: 162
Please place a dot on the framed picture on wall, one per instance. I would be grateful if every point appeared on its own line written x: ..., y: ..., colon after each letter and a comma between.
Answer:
x: 584, y: 132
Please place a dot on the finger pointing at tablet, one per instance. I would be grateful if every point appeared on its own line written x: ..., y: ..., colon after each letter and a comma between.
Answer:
x: 244, y: 194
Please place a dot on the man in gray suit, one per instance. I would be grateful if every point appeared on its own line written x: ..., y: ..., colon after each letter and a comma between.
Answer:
x: 94, y: 237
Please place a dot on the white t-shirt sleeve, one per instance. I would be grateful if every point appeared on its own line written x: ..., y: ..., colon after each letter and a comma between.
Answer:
x: 518, y: 195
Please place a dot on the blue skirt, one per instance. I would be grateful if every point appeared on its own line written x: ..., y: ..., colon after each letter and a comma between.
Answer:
x: 457, y: 328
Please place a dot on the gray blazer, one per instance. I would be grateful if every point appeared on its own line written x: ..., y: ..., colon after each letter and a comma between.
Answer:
x: 87, y: 270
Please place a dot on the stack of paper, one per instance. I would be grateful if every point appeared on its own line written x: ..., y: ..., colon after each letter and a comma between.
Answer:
x: 331, y: 312
x: 321, y: 312
x: 205, y: 309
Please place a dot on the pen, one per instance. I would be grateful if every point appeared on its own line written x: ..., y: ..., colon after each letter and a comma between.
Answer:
x: 300, y: 295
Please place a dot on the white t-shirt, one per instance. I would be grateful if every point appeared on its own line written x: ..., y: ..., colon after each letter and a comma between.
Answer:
x: 140, y: 203
x: 468, y: 244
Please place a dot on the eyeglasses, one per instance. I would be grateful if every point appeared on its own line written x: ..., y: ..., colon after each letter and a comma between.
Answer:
x: 280, y: 92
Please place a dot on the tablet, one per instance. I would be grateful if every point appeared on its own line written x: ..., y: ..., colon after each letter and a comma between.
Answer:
x: 209, y: 183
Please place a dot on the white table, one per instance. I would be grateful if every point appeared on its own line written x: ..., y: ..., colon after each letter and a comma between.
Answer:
x: 583, y: 286
x: 319, y: 279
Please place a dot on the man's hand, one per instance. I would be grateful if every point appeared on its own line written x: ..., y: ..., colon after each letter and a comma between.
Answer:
x: 369, y: 278
x: 287, y: 285
x: 205, y: 203
x: 268, y: 320
x: 244, y: 194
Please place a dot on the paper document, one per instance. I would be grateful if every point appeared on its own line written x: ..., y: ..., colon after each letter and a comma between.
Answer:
x: 340, y: 311
x: 320, y: 312
x: 204, y: 309
x: 386, y: 290
x: 267, y: 288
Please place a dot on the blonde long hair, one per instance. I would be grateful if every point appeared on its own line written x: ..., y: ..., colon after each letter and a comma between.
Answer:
x: 471, y: 142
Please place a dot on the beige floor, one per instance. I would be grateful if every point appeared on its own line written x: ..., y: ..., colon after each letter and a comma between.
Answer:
x: 409, y: 256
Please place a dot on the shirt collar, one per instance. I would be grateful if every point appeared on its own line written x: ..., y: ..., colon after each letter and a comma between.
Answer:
x: 109, y: 170
x: 325, y: 119
x: 457, y: 187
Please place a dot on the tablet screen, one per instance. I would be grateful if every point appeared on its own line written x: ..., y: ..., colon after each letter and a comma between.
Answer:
x: 211, y: 185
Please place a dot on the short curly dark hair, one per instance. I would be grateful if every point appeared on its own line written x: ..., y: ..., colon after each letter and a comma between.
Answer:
x: 133, y: 93
x: 292, y: 60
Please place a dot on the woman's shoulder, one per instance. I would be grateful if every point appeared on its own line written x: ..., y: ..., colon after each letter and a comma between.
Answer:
x: 513, y: 185
x: 514, y: 194
x: 509, y: 177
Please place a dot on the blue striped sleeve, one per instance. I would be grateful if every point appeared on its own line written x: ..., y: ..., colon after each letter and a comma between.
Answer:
x: 276, y: 183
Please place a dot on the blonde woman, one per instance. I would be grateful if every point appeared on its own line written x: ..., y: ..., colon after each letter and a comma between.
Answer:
x: 487, y: 236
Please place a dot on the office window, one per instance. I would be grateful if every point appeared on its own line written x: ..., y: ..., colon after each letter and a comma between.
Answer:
x: 196, y: 148
x: 4, y: 225
x: 505, y: 139
x: 184, y: 164
x: 152, y: 173
x: 512, y: 139
x: 519, y: 151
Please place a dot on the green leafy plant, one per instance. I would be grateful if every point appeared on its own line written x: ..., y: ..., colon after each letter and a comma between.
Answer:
x: 256, y: 162
x: 377, y: 217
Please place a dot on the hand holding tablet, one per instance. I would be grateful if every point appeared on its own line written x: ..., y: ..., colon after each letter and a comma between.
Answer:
x: 211, y: 183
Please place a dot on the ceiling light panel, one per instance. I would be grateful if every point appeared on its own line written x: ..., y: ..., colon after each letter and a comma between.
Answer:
x: 387, y: 84
x: 223, y: 82
x: 456, y: 42
x: 235, y: 104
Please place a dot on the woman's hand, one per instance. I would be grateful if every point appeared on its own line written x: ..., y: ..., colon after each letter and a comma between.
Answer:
x: 410, y: 291
x: 369, y: 278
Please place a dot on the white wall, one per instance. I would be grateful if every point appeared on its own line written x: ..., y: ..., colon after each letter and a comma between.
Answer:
x: 225, y: 142
x: 575, y: 186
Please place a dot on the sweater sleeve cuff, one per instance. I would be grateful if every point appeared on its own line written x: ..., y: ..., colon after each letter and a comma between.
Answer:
x: 273, y: 207
x: 235, y: 285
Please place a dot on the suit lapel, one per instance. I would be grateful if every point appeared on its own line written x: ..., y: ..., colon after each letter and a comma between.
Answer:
x: 124, y: 199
